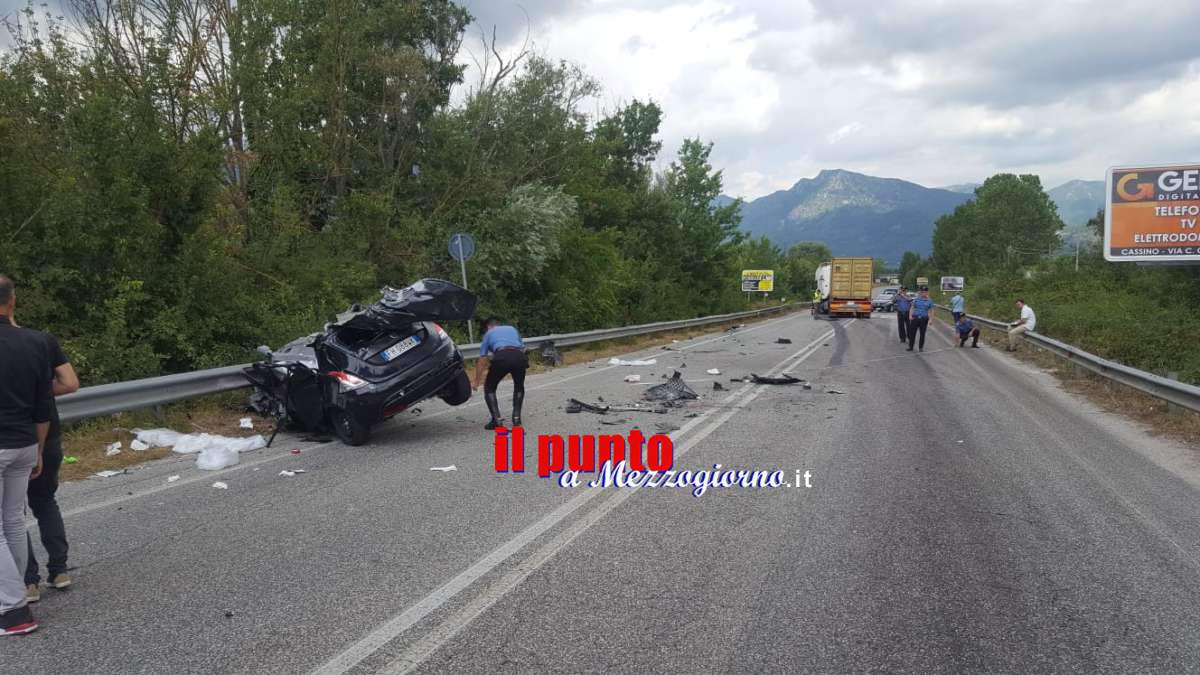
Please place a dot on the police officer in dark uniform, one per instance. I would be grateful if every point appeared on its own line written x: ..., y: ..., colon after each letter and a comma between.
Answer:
x: 501, y: 352
x: 901, y: 303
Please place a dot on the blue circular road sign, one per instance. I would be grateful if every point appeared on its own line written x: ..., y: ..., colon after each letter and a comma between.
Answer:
x: 462, y: 246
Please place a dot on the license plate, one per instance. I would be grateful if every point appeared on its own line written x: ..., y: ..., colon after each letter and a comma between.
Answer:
x: 401, y: 347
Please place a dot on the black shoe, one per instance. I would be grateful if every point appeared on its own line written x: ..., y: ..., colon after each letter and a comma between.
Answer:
x: 922, y: 349
x: 974, y: 346
x: 516, y: 422
x: 493, y: 424
x: 909, y: 349
x: 18, y: 622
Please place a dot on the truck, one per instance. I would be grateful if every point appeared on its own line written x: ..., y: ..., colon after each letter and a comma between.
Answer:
x: 844, y: 286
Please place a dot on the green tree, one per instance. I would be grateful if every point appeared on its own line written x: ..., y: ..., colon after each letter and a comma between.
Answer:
x: 1010, y: 221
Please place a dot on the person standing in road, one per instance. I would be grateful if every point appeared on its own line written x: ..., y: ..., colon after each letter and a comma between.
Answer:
x: 42, y: 490
x: 501, y: 352
x: 1025, y: 324
x: 902, y: 303
x: 966, y: 329
x: 957, y: 306
x: 918, y: 317
x: 25, y: 400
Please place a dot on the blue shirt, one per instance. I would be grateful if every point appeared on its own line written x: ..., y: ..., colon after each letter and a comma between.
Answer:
x: 965, y: 327
x: 902, y: 302
x: 498, y: 338
x: 956, y: 304
x: 921, y: 307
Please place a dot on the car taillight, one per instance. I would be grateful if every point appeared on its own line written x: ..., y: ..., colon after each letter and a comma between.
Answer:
x: 440, y: 330
x: 347, y: 381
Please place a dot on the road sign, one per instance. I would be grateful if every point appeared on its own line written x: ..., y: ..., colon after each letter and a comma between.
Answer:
x: 1151, y: 214
x: 758, y: 281
x: 462, y: 246
x: 953, y: 284
x: 922, y: 281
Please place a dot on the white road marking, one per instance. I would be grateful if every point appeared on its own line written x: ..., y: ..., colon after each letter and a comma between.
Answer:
x: 393, y: 628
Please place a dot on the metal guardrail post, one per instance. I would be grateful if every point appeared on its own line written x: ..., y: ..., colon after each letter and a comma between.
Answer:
x: 107, y: 399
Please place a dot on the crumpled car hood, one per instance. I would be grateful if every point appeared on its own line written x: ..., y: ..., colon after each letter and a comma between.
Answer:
x: 425, y: 300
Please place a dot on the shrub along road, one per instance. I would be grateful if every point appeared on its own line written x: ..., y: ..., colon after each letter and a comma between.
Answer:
x: 964, y: 514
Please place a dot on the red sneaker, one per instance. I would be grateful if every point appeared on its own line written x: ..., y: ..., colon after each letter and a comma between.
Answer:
x: 18, y: 622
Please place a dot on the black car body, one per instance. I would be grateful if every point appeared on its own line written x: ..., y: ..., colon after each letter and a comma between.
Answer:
x: 371, y: 363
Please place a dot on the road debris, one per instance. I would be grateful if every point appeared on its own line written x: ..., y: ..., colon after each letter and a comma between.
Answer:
x: 782, y: 379
x: 621, y: 362
x: 783, y: 341
x: 835, y: 391
x: 295, y: 451
x: 683, y: 365
x: 113, y: 449
x: 614, y: 423
x: 109, y: 474
x: 292, y: 472
x: 576, y: 406
x: 808, y: 386
x: 633, y: 378
x: 172, y: 479
x: 221, y: 486
x: 717, y: 386
x: 674, y: 389
x: 691, y: 415
x: 138, y: 446
x: 246, y: 423
x: 665, y: 427
x: 70, y: 459
x: 713, y: 371
x: 444, y: 469
x: 550, y: 354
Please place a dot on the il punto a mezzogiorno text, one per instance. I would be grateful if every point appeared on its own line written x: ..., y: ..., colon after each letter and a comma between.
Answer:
x: 620, y: 463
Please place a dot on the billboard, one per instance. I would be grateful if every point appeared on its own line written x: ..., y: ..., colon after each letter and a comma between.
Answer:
x: 922, y: 281
x: 953, y: 284
x: 758, y: 281
x: 1151, y: 214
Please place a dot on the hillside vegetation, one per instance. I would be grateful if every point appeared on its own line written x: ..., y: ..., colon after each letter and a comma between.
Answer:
x: 184, y: 181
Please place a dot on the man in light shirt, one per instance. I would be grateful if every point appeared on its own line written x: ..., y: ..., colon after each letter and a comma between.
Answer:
x: 1026, y: 323
x: 958, y: 306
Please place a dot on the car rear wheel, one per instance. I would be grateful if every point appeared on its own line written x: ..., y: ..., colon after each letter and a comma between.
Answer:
x: 458, y: 391
x: 348, y: 429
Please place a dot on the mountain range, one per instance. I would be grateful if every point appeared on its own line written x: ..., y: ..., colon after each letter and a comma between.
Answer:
x: 856, y: 214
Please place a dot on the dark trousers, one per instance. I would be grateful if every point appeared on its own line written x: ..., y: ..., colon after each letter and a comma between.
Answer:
x: 974, y: 335
x: 957, y: 316
x: 919, y: 323
x: 507, y: 362
x: 45, y: 508
x: 902, y: 324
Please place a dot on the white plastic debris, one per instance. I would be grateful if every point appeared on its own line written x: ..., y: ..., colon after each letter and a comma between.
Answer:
x: 622, y: 362
x: 214, y: 458
x: 172, y: 479
x: 633, y: 378
x: 157, y: 438
x: 293, y: 472
x: 220, y: 486
x: 113, y: 449
x: 444, y: 468
x: 138, y: 446
x: 713, y: 371
x: 108, y: 474
x: 246, y: 423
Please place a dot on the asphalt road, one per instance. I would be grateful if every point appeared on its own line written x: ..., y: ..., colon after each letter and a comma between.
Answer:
x: 964, y: 515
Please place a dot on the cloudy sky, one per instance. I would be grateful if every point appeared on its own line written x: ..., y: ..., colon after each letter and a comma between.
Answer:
x: 934, y: 91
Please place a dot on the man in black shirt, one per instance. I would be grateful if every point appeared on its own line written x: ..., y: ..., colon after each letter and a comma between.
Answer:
x: 42, y: 489
x: 24, y: 422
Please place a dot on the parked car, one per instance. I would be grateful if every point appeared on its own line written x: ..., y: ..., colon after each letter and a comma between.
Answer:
x: 370, y: 364
x: 884, y: 301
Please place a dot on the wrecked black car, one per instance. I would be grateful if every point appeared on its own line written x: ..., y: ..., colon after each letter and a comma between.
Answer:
x: 369, y: 364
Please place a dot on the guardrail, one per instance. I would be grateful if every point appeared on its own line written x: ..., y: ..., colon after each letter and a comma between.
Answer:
x: 1179, y: 393
x: 107, y: 399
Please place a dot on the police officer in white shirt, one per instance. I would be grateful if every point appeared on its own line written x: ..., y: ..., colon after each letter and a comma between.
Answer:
x: 1025, y: 324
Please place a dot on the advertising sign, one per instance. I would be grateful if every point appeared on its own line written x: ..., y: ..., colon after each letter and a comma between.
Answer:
x: 922, y: 281
x: 953, y: 284
x: 1151, y: 213
x: 758, y: 281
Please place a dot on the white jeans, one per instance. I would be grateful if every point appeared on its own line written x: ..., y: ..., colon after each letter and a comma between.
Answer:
x: 1014, y: 334
x: 15, y: 466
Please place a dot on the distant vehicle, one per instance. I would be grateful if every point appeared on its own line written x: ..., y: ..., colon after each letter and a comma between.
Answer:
x: 845, y: 287
x: 885, y: 300
x: 369, y: 365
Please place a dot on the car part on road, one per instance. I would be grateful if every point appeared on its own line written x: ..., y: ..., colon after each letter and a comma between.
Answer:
x: 574, y: 405
x: 369, y: 365
x: 782, y: 379
x: 783, y: 341
x: 549, y: 354
x: 674, y: 389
